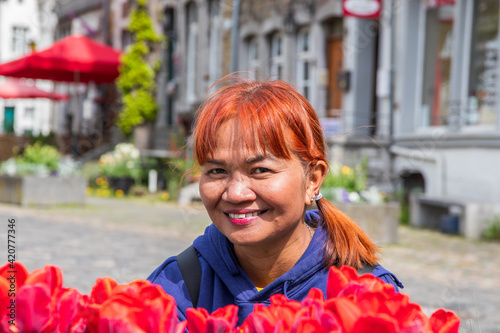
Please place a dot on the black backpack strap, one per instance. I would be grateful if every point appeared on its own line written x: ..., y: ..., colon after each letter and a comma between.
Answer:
x: 189, y: 265
x: 366, y: 269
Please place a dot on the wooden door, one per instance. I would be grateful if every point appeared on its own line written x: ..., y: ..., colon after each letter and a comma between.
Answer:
x: 334, y: 66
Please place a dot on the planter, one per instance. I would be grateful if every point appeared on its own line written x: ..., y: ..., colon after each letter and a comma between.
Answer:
x: 379, y: 221
x: 33, y: 190
x: 121, y: 183
x: 143, y: 135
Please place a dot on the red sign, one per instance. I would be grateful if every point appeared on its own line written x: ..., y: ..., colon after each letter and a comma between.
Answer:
x: 369, y: 9
x: 439, y: 3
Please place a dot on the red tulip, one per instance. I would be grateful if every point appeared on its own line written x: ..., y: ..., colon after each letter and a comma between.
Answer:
x: 443, y: 321
x: 12, y: 277
x: 34, y: 312
x: 138, y: 306
x: 71, y: 317
x: 221, y: 320
x: 41, y: 302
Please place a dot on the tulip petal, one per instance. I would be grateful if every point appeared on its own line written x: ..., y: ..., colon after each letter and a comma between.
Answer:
x: 336, y: 282
x: 33, y: 309
x: 443, y: 321
x: 51, y: 276
x: 376, y: 324
x: 228, y: 313
x: 196, y: 320
x: 102, y: 290
x: 20, y: 271
x: 345, y: 310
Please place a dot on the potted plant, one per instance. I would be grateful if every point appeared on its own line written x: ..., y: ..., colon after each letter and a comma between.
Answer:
x: 121, y: 167
x: 136, y: 82
x: 41, y: 175
x: 346, y: 186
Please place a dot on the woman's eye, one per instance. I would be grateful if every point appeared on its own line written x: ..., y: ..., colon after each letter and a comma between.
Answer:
x: 216, y: 171
x: 261, y: 170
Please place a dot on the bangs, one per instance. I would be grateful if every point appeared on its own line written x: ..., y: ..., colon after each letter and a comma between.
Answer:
x: 272, y: 118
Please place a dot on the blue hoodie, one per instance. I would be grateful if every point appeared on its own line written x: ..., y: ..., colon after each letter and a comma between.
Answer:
x: 224, y: 282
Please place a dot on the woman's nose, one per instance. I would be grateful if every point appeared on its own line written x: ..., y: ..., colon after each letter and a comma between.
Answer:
x: 238, y: 190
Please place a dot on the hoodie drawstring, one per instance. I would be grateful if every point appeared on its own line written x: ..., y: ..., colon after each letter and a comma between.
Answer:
x: 285, y: 288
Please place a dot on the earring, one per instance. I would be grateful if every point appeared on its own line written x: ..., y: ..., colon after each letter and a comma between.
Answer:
x: 312, y: 199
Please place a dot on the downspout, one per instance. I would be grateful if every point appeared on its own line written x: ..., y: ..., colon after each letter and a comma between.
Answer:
x: 234, y: 35
x: 105, y: 22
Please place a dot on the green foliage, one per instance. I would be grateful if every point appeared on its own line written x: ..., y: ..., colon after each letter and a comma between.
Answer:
x: 137, y: 76
x: 37, y: 159
x: 493, y: 229
x: 122, y: 162
x: 352, y: 179
x: 49, y: 139
x: 41, y: 155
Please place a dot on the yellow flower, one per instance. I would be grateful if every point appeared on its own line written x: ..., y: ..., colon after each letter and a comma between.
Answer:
x: 106, y: 192
x: 119, y: 193
x: 346, y: 170
x: 165, y: 196
x: 99, y: 192
x: 99, y: 181
x: 88, y: 191
x: 104, y: 184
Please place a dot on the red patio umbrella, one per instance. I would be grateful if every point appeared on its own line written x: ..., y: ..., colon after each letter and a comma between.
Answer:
x: 17, y: 88
x: 72, y: 59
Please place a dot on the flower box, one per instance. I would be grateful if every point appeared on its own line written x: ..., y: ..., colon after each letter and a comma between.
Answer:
x: 379, y: 221
x: 33, y: 190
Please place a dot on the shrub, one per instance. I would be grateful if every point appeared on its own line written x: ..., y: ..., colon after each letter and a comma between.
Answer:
x: 493, y: 229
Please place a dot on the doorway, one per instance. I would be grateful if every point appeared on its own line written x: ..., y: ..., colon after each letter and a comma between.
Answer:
x: 8, y: 120
x: 335, y: 92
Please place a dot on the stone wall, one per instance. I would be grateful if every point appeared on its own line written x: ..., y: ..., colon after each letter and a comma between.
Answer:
x: 45, y: 191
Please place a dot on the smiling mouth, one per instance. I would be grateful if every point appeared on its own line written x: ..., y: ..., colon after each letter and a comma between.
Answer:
x: 244, y: 216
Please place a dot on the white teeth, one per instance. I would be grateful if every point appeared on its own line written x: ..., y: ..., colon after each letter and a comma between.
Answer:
x: 242, y: 216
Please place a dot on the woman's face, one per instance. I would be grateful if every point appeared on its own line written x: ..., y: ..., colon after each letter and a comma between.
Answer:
x: 251, y: 198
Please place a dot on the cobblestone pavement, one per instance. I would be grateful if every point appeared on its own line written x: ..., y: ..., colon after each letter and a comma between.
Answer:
x: 127, y: 239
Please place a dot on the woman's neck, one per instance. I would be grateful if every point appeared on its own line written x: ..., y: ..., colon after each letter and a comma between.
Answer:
x: 264, y: 264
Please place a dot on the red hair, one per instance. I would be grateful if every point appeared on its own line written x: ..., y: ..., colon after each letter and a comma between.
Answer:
x: 274, y: 117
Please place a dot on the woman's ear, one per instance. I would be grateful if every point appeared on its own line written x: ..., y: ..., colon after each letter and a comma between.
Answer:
x: 317, y: 174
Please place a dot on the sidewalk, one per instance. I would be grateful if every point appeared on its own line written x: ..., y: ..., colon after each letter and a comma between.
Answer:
x: 127, y: 239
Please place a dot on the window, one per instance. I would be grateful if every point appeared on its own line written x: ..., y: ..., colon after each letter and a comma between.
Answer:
x: 29, y: 113
x: 437, y: 65
x: 277, y: 59
x: 20, y: 43
x: 63, y: 29
x: 253, y: 57
x: 215, y: 41
x: 192, y: 41
x: 304, y: 62
x: 483, y: 100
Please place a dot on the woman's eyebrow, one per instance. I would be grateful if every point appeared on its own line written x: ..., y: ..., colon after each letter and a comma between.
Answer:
x: 260, y: 158
x: 218, y: 162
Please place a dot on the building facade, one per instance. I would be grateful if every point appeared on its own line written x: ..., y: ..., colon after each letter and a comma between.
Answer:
x: 26, y: 25
x: 447, y: 120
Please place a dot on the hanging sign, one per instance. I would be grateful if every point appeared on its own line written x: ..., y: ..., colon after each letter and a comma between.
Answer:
x: 369, y: 9
x: 439, y: 3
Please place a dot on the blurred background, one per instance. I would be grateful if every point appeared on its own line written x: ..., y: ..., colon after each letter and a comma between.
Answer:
x: 97, y: 102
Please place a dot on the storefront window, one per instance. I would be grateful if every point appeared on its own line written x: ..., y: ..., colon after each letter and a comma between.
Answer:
x: 483, y: 64
x: 437, y: 63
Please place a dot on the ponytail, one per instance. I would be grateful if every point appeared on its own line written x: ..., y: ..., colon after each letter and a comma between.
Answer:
x: 347, y: 243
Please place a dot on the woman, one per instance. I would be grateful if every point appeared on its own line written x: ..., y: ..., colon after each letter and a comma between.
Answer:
x: 262, y: 153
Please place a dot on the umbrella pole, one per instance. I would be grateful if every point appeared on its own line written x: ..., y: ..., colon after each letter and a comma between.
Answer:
x: 76, y: 117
